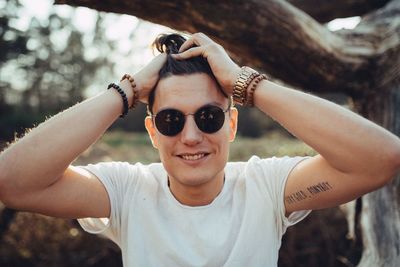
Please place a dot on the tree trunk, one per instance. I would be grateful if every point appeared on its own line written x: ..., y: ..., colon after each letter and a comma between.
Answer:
x: 6, y: 217
x: 325, y: 11
x: 380, y: 217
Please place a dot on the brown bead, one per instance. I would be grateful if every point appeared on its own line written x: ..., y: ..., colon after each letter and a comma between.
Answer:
x: 250, y: 92
x: 133, y: 85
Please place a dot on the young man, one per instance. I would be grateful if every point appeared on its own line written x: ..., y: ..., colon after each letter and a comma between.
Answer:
x: 194, y: 208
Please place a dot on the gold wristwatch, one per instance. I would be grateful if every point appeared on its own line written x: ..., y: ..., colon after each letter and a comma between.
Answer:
x: 243, y: 81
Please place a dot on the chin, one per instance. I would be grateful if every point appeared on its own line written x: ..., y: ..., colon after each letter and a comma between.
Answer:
x: 193, y: 179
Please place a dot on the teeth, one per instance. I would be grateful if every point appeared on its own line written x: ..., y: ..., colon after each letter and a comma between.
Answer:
x: 193, y: 157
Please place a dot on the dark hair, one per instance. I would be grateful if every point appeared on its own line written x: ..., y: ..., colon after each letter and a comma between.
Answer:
x: 170, y: 44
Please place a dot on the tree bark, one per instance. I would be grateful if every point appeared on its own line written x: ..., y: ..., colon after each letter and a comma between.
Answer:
x: 290, y: 45
x: 270, y: 35
x: 6, y: 217
x: 380, y: 216
x: 325, y: 11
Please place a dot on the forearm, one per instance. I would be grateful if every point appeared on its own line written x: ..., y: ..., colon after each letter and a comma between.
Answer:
x: 41, y: 156
x: 346, y: 140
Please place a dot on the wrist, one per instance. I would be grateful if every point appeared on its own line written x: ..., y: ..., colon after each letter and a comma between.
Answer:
x: 242, y: 83
x: 122, y: 93
x: 141, y: 87
x: 133, y: 89
x: 252, y: 88
x: 230, y: 82
x: 126, y: 86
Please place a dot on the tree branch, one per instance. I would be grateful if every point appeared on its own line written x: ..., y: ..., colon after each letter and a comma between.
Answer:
x: 325, y: 11
x: 270, y: 35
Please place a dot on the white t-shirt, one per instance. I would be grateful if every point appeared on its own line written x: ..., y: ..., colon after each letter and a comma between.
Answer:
x: 243, y: 226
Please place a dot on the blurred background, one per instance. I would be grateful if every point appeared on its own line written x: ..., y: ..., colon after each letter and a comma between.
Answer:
x: 52, y: 57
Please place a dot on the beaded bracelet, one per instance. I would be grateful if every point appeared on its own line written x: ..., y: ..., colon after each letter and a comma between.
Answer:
x: 124, y: 98
x: 250, y: 92
x: 135, y: 92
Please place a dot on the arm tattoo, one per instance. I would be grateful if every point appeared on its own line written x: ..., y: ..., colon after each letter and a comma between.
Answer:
x: 295, y: 197
x: 311, y: 191
x: 321, y: 187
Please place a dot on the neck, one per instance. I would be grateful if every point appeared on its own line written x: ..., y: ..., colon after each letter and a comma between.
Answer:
x: 197, y: 195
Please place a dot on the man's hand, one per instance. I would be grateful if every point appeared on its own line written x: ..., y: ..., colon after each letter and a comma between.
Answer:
x: 222, y: 66
x: 147, y: 77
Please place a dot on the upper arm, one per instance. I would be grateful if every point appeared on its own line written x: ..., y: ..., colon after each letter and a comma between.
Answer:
x: 314, y: 184
x: 76, y: 194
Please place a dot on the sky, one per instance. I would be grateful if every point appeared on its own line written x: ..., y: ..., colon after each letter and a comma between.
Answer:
x: 118, y: 27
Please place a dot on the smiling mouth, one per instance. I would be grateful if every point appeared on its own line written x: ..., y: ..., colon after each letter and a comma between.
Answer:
x: 193, y: 157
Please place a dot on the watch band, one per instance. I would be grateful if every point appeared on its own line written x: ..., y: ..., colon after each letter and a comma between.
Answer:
x: 243, y: 81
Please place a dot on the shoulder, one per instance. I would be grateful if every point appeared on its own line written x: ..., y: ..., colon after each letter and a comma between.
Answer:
x: 262, y: 165
x: 122, y: 166
x: 109, y: 165
x: 274, y: 164
x: 117, y: 172
x: 266, y: 174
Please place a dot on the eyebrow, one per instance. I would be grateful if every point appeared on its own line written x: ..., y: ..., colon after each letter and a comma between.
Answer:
x: 213, y: 103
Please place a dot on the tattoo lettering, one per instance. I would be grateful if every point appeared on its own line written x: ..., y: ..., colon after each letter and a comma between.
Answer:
x: 295, y: 197
x: 321, y: 187
x: 311, y: 191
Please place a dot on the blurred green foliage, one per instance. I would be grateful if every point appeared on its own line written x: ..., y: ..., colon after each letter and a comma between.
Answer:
x: 41, y: 73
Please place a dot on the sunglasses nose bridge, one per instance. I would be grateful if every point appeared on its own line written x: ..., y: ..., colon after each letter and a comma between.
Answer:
x: 191, y: 134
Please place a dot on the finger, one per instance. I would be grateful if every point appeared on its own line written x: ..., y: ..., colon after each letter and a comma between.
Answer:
x: 191, y: 52
x: 187, y: 44
x: 197, y: 39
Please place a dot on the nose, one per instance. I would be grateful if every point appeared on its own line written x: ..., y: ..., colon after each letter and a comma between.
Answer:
x: 191, y: 134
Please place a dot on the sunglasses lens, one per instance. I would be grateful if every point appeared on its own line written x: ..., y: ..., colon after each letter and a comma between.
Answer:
x: 170, y: 122
x: 210, y: 119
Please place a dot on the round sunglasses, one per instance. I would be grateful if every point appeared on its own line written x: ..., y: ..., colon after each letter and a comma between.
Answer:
x: 209, y: 119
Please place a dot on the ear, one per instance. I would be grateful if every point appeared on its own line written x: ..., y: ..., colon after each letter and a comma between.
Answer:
x: 233, y: 120
x: 151, y: 130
